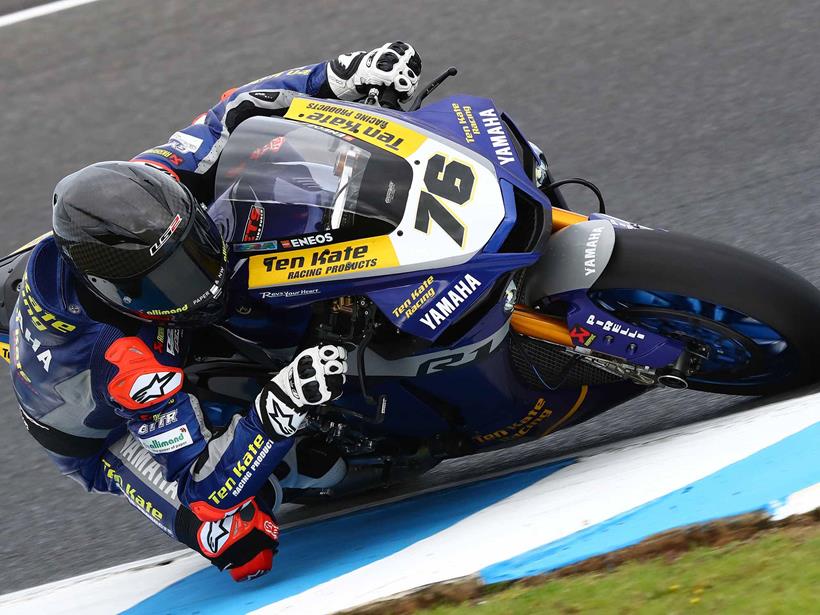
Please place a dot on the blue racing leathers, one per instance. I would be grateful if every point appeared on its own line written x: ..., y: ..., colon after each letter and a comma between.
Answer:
x: 105, y: 397
x: 105, y: 394
x: 191, y: 153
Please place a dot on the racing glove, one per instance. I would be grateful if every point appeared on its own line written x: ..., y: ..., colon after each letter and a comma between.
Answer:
x: 351, y: 75
x: 315, y: 377
x: 243, y: 542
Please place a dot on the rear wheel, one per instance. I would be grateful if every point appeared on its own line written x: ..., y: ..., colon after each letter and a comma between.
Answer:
x: 756, y: 324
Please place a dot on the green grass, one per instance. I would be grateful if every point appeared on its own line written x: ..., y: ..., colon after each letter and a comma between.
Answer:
x: 776, y: 572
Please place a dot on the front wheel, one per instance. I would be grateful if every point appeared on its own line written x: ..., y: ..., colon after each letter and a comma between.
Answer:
x: 757, y: 324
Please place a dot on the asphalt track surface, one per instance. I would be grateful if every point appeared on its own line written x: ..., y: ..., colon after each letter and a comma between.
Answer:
x: 694, y: 116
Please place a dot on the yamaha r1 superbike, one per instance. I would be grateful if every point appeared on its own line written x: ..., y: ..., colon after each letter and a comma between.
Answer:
x: 480, y: 311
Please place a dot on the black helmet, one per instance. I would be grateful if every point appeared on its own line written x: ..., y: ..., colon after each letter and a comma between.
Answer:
x: 141, y: 242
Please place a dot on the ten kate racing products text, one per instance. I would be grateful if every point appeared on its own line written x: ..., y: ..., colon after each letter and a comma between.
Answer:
x: 243, y: 469
x: 373, y: 129
x: 319, y: 262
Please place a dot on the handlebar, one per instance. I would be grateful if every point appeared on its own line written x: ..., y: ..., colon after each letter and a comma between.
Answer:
x: 388, y: 97
x: 383, y: 96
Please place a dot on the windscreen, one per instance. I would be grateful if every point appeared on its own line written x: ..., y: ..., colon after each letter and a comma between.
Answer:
x: 319, y: 179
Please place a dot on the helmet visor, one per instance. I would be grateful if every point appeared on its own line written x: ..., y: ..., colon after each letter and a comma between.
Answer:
x: 187, y: 288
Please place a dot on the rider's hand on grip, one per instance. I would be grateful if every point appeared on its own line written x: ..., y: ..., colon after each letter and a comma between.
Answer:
x: 315, y: 377
x: 395, y: 65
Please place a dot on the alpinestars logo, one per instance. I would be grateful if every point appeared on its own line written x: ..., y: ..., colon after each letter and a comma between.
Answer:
x: 149, y: 387
x: 282, y: 420
x: 214, y: 535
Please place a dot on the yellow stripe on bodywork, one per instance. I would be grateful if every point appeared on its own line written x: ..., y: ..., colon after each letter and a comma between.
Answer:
x: 349, y: 257
x: 578, y: 402
x: 368, y: 127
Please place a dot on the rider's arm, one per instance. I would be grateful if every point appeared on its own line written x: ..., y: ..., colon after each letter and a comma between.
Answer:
x: 215, y: 471
x: 191, y: 153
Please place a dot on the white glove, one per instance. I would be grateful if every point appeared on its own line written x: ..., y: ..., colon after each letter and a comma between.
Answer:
x: 315, y: 377
x: 351, y: 75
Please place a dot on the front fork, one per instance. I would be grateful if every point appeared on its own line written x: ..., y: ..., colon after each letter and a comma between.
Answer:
x: 578, y: 251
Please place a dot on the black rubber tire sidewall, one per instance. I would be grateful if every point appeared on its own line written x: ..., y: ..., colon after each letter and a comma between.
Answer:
x: 726, y: 276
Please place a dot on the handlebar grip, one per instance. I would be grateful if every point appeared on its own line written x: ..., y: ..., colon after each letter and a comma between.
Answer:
x: 389, y: 98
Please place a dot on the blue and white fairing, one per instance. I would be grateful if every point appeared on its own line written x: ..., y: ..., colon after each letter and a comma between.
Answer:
x: 426, y: 213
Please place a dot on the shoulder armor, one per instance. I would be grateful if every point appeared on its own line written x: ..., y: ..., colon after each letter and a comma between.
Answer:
x: 141, y: 381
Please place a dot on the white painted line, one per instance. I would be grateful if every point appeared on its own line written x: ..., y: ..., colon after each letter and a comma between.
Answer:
x: 130, y: 580
x: 39, y: 11
x: 804, y: 501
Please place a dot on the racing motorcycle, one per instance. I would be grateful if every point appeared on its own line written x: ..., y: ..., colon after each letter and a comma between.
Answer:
x: 479, y: 310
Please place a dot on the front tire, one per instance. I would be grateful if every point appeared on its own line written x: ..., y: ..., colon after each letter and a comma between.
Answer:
x: 760, y: 320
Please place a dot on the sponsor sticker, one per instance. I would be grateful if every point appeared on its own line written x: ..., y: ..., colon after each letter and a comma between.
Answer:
x: 306, y: 241
x: 39, y: 317
x: 370, y: 128
x: 171, y: 157
x: 159, y: 340
x: 289, y: 293
x: 4, y: 352
x: 168, y: 442
x: 158, y: 421
x: 184, y: 143
x: 241, y: 472
x: 172, y: 342
x: 255, y: 247
x: 498, y: 136
x: 520, y: 428
x: 614, y: 327
x: 417, y: 298
x: 255, y: 224
x: 591, y: 250
x: 142, y: 503
x: 449, y: 303
x: 581, y: 336
x: 466, y: 119
x: 321, y: 262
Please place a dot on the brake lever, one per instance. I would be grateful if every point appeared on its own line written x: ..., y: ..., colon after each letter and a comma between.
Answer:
x: 416, y: 104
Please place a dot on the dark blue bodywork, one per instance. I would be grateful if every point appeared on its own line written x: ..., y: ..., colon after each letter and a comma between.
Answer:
x: 476, y: 394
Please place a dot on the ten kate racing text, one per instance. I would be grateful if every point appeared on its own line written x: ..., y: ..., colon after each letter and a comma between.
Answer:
x: 520, y: 428
x: 373, y: 129
x: 313, y: 263
x: 322, y: 262
x: 243, y: 469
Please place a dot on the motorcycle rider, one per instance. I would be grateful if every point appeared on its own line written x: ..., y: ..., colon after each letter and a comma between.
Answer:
x: 105, y: 317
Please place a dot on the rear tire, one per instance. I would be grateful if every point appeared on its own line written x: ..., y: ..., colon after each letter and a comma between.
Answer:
x: 698, y: 270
